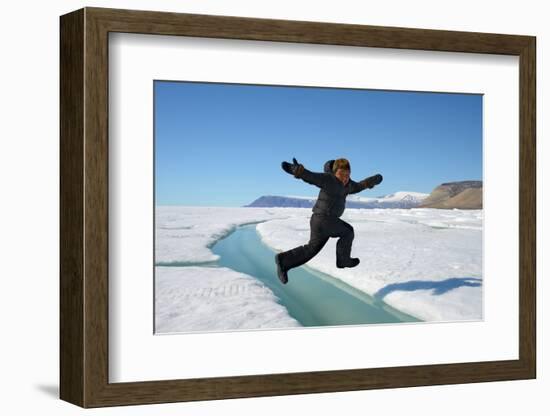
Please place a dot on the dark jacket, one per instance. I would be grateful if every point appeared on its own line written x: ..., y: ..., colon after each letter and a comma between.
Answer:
x: 332, y: 196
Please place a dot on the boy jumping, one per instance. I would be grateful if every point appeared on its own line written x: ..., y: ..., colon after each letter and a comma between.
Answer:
x: 335, y: 184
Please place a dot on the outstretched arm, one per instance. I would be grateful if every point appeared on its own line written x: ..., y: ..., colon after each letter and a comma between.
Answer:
x: 314, y: 178
x: 367, y: 183
x: 297, y: 169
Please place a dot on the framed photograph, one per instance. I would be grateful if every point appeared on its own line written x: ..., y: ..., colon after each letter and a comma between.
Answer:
x: 255, y: 207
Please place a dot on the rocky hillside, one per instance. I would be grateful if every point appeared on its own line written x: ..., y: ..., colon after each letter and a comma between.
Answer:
x: 461, y: 195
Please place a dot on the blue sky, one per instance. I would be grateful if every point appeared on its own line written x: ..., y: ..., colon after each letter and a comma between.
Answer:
x: 223, y: 144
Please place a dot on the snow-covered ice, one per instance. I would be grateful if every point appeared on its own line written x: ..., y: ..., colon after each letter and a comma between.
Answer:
x: 199, y: 298
x: 184, y: 234
x: 424, y: 262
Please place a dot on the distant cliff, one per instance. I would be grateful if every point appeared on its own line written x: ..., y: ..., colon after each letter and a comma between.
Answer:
x: 461, y: 195
x: 268, y: 201
x: 396, y: 200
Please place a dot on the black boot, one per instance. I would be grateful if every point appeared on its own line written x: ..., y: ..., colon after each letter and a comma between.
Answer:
x: 352, y: 262
x: 283, y: 277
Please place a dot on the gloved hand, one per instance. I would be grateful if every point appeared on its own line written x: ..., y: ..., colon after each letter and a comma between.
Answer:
x: 293, y: 168
x: 372, y: 181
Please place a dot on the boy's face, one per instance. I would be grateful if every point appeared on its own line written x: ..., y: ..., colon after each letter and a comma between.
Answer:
x: 343, y: 175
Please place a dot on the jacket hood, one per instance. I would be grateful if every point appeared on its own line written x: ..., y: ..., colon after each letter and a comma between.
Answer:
x: 328, y: 166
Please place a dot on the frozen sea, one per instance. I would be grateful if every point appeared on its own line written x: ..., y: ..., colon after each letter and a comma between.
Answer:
x: 426, y: 263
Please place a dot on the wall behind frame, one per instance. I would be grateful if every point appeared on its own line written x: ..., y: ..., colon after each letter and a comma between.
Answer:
x: 29, y: 168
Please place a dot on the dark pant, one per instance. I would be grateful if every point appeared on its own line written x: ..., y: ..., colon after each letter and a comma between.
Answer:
x: 322, y: 228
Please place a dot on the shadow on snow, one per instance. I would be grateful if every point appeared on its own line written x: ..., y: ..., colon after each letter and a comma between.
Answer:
x: 438, y: 287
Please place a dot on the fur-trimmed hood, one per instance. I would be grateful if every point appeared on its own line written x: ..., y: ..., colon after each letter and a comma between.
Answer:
x: 341, y: 163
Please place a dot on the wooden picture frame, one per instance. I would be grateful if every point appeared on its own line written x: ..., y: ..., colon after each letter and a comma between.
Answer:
x: 84, y: 207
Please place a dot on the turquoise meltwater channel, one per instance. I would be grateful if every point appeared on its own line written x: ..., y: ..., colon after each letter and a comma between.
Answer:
x: 311, y: 297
